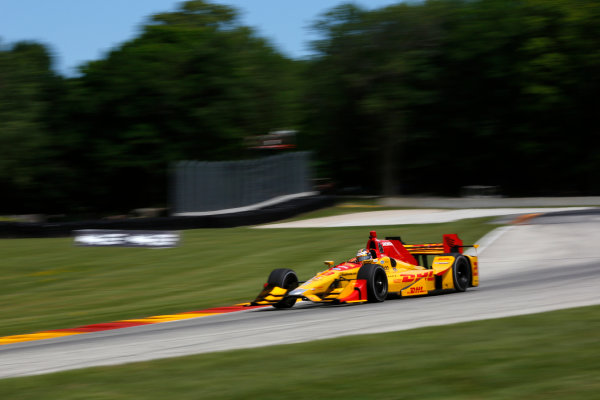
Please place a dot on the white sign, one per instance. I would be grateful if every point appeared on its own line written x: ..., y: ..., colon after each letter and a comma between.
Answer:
x: 106, y: 237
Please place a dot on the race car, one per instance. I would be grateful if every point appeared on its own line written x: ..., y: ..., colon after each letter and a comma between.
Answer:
x: 384, y: 268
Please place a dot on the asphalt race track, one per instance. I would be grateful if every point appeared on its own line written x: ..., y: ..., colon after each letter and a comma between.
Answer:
x: 552, y: 262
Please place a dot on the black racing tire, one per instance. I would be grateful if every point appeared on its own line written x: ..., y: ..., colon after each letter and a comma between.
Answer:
x: 287, y: 279
x: 461, y: 273
x: 377, y: 282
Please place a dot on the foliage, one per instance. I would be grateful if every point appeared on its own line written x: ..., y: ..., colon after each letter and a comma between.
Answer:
x: 191, y: 86
x: 469, y: 92
x: 30, y: 151
x: 374, y: 67
x: 417, y: 97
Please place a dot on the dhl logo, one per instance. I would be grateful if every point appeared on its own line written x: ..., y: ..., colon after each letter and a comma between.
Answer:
x: 417, y: 290
x: 413, y: 277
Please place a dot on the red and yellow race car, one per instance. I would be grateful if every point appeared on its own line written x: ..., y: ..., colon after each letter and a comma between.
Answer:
x: 384, y: 268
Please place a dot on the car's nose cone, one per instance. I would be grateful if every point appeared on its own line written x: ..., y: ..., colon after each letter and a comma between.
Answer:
x: 297, y: 292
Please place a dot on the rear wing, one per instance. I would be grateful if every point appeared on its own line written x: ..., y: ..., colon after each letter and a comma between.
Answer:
x: 451, y: 244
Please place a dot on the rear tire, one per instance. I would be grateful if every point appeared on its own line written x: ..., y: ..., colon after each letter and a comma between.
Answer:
x: 287, y: 279
x: 377, y: 282
x: 461, y: 273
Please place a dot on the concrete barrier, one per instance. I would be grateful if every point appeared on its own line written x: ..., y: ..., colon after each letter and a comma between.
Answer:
x: 254, y: 217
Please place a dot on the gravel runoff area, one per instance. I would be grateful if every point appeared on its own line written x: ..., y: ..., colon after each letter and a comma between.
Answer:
x: 409, y: 217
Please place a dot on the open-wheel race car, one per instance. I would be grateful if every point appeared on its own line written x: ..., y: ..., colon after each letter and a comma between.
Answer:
x: 386, y: 267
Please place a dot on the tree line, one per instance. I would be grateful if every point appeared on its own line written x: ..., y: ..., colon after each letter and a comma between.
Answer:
x: 413, y: 98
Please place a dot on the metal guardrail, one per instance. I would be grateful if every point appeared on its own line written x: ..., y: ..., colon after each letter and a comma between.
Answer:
x: 200, y: 186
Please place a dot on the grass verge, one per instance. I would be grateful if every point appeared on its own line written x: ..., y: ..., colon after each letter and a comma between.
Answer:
x: 551, y: 355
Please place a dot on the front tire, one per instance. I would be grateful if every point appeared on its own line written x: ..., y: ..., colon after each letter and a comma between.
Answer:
x: 461, y: 273
x: 287, y: 279
x: 377, y: 282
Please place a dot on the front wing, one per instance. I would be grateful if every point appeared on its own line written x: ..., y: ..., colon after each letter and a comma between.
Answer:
x: 354, y: 291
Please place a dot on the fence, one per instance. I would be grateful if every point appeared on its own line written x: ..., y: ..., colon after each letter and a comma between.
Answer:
x: 203, y: 187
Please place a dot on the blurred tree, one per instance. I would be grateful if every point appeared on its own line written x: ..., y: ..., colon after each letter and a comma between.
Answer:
x: 446, y: 93
x: 30, y: 162
x: 374, y: 68
x: 191, y: 86
x: 415, y: 97
x: 516, y: 88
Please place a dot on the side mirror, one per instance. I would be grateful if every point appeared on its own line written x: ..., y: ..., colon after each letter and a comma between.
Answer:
x: 328, y: 263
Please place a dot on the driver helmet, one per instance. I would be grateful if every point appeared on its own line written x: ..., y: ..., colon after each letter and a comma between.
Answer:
x: 363, y: 255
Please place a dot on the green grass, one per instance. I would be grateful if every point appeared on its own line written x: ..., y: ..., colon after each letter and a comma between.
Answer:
x: 52, y: 284
x: 543, y: 356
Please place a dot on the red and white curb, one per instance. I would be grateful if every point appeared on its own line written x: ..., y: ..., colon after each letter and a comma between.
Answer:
x: 127, y: 323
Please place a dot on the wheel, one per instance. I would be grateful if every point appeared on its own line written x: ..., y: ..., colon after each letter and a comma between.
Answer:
x: 461, y: 273
x: 377, y: 282
x: 287, y: 279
